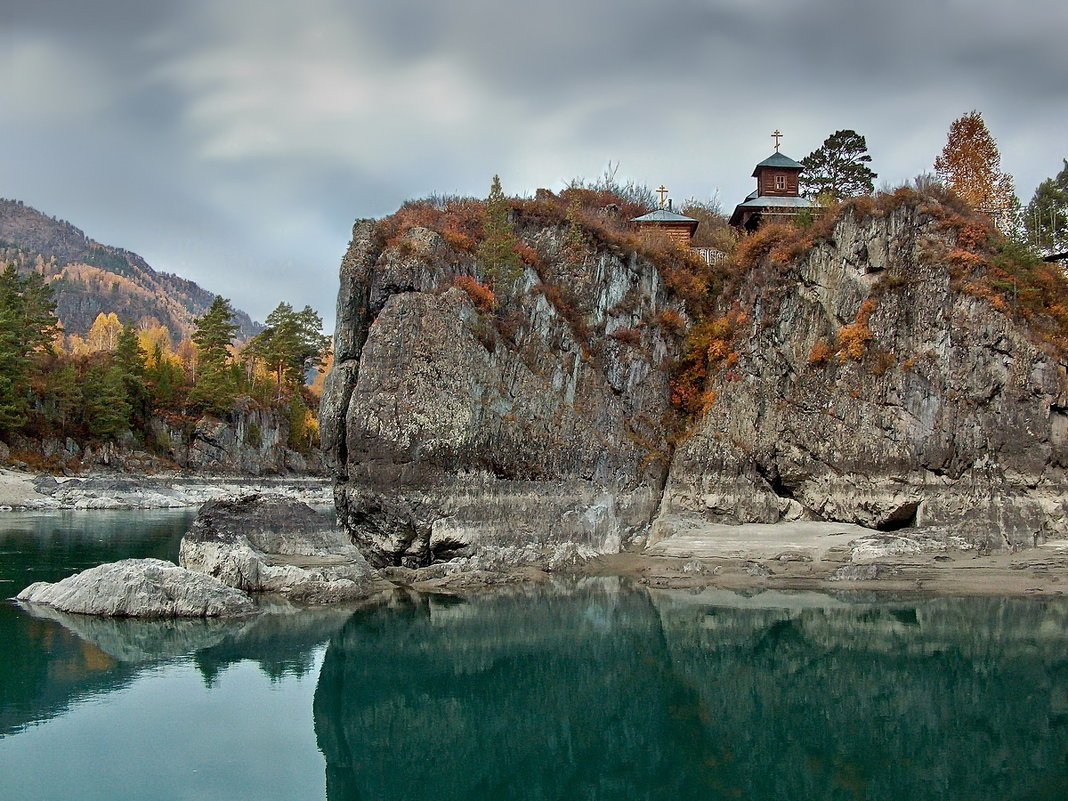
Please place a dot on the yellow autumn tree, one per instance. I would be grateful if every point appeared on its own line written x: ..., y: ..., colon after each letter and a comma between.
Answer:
x: 970, y: 165
x: 156, y: 339
x: 104, y: 332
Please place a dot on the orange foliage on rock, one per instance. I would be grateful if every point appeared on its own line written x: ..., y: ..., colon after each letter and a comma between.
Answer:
x: 481, y: 295
x: 709, y: 346
x: 820, y: 353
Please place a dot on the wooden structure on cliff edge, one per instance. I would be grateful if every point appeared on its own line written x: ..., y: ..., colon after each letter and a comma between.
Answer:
x: 677, y: 227
x: 777, y: 197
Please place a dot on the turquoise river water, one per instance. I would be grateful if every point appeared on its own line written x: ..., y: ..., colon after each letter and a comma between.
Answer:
x: 585, y: 691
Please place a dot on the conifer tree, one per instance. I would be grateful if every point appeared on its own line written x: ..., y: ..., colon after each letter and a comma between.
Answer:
x: 214, y: 332
x: 105, y: 410
x: 292, y: 344
x: 497, y: 250
x: 215, y: 388
x: 1046, y: 216
x: 62, y: 395
x: 839, y: 168
x: 130, y: 360
x: 970, y: 165
x: 27, y: 325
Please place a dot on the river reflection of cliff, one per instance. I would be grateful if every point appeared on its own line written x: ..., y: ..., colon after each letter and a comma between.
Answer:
x: 597, y: 694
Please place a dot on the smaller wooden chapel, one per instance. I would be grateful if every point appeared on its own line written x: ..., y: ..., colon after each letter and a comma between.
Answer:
x: 666, y: 220
x: 777, y: 196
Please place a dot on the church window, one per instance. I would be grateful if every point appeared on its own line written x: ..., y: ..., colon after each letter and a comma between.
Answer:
x: 780, y: 181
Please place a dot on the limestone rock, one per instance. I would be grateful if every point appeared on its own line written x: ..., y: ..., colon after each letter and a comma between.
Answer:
x: 953, y: 418
x: 140, y: 588
x: 261, y: 544
x: 452, y: 431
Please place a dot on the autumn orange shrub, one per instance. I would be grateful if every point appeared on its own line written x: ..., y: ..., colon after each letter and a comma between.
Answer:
x: 670, y: 320
x: 481, y: 295
x: 709, y: 345
x: 457, y: 220
x: 628, y: 336
x: 820, y: 353
x: 853, y: 341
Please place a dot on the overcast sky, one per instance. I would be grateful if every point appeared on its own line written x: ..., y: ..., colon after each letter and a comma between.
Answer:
x: 234, y: 142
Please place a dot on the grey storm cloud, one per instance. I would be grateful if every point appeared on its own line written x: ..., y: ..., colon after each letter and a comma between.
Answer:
x: 234, y: 142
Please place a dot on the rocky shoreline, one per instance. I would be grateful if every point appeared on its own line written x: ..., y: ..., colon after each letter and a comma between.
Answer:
x: 106, y: 490
x: 241, y: 553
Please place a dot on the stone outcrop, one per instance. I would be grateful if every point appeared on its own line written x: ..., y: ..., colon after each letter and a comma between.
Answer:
x: 160, y: 491
x: 451, y: 430
x: 248, y: 441
x: 954, y: 418
x: 259, y: 544
x: 140, y: 588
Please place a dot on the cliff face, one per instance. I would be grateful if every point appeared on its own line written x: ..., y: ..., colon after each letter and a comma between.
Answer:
x: 863, y: 385
x: 946, y: 413
x: 452, y: 429
x: 249, y: 442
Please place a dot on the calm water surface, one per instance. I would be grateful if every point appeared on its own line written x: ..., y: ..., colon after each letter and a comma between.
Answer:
x: 590, y: 691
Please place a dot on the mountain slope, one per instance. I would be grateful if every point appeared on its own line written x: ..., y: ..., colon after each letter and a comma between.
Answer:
x: 89, y: 278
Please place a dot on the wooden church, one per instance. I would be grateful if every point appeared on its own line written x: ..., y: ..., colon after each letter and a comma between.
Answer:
x: 777, y: 196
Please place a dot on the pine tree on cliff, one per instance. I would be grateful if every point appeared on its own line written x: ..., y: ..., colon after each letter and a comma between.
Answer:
x: 1046, y: 216
x: 214, y: 387
x: 970, y: 165
x: 104, y: 410
x: 130, y: 359
x: 292, y: 344
x: 27, y: 325
x: 839, y: 169
x: 497, y: 250
x: 215, y: 331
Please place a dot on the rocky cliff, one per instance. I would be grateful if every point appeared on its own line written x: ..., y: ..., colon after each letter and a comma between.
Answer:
x: 451, y: 428
x: 870, y: 388
x: 249, y: 441
x: 861, y: 371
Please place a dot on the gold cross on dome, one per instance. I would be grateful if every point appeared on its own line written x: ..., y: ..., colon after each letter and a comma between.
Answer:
x: 776, y: 135
x: 662, y: 191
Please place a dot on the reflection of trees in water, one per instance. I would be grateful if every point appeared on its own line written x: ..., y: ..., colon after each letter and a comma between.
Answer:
x: 615, y: 695
x: 63, y: 658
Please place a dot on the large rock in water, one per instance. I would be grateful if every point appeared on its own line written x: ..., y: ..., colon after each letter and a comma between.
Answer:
x: 261, y: 544
x: 453, y: 431
x: 140, y: 588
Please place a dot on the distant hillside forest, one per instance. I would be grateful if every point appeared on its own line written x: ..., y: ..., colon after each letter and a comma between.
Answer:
x: 112, y: 383
x: 88, y: 278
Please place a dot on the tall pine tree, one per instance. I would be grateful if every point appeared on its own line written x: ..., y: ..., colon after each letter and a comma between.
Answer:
x: 27, y: 324
x: 214, y: 388
x: 292, y: 344
x: 839, y: 169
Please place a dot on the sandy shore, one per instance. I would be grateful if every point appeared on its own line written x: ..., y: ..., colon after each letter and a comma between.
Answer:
x: 16, y: 489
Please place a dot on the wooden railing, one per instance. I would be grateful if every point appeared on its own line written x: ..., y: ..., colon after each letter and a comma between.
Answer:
x: 710, y: 255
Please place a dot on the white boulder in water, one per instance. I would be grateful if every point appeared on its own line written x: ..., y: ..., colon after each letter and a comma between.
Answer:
x: 140, y: 588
